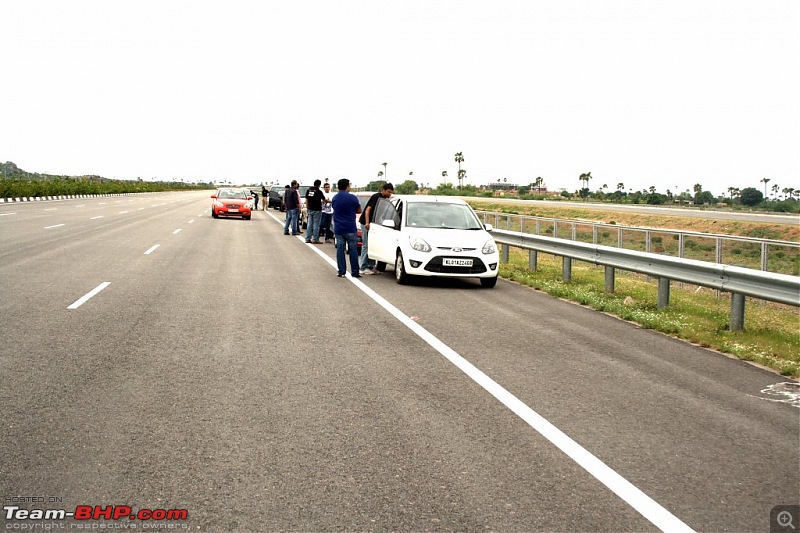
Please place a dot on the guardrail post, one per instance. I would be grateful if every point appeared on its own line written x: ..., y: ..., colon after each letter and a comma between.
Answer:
x: 663, y: 293
x: 533, y: 260
x: 610, y: 274
x: 566, y: 269
x: 737, y: 312
x: 504, y: 253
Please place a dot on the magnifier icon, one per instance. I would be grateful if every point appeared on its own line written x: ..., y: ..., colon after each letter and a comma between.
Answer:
x: 785, y: 519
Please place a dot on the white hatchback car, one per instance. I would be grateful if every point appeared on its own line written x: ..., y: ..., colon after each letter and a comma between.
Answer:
x: 432, y: 236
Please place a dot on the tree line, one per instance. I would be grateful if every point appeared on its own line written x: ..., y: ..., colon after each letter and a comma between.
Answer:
x: 17, y: 183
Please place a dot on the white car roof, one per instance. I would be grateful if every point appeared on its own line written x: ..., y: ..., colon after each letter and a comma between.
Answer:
x: 424, y: 198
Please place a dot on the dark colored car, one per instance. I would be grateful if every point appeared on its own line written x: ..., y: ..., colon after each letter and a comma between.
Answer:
x: 275, y: 199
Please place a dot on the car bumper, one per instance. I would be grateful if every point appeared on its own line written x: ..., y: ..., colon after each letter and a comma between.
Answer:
x: 222, y: 212
x: 485, y: 266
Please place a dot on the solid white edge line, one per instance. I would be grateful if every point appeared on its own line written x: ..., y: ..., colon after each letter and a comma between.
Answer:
x: 152, y: 249
x: 79, y: 302
x: 641, y: 502
x: 176, y: 231
x: 55, y: 226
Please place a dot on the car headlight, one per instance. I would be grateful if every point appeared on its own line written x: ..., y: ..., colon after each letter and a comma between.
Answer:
x: 489, y: 247
x: 218, y: 203
x: 419, y: 244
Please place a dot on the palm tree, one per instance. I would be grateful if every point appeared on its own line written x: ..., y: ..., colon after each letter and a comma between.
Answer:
x: 765, y: 181
x: 462, y: 173
x: 385, y: 172
x: 585, y: 178
x: 444, y: 176
x: 380, y: 173
x: 775, y: 188
x: 620, y: 186
x: 538, y: 184
x: 459, y: 160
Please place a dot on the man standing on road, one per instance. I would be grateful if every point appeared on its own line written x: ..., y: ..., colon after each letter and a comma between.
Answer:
x: 327, y: 214
x: 264, y: 197
x: 292, y: 199
x: 345, y: 208
x: 314, y: 201
x: 367, y: 264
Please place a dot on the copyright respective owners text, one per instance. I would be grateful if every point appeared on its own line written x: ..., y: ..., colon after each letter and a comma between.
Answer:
x: 47, y: 513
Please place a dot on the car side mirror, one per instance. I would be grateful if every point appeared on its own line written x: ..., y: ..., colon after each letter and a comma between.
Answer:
x: 213, y: 196
x: 249, y: 197
x: 488, y: 227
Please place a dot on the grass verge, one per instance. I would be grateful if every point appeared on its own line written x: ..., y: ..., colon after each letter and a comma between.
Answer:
x: 771, y: 336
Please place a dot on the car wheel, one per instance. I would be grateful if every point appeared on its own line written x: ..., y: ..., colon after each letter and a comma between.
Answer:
x: 380, y: 266
x: 214, y: 213
x: 489, y: 282
x: 400, y: 270
x: 246, y: 218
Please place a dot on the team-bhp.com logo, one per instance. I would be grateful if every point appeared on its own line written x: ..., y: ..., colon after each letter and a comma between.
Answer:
x: 94, y: 512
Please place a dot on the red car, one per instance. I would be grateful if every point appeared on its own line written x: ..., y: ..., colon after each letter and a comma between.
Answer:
x: 231, y: 203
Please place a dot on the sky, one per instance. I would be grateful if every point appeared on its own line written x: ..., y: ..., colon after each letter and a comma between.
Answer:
x: 645, y: 93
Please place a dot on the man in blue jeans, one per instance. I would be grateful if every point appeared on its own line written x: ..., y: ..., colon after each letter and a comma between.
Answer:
x: 292, y: 200
x: 314, y: 200
x: 345, y: 208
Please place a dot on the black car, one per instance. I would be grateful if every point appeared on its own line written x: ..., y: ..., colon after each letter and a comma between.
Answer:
x: 275, y: 199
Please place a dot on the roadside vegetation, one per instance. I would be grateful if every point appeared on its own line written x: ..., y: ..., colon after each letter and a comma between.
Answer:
x: 16, y: 183
x: 771, y: 335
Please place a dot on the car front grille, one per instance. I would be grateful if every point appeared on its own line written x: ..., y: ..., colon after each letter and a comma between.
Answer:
x: 435, y: 265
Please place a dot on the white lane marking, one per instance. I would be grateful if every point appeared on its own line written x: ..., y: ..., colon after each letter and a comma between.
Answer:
x: 176, y: 231
x: 152, y: 249
x: 641, y: 502
x: 784, y: 392
x: 191, y: 221
x: 82, y: 300
x: 55, y: 226
x: 142, y: 208
x: 51, y: 209
x: 6, y: 214
x: 95, y: 218
x: 82, y: 205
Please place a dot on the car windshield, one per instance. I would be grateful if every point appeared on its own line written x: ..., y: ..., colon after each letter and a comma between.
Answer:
x: 441, y: 215
x: 232, y: 194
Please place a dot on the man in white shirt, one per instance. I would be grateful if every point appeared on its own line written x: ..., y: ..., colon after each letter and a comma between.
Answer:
x: 327, y: 214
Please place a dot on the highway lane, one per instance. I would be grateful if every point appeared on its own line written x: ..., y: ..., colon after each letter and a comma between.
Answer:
x: 186, y: 384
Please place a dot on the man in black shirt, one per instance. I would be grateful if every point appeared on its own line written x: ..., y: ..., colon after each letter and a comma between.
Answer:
x: 368, y: 265
x: 314, y: 199
x: 292, y: 200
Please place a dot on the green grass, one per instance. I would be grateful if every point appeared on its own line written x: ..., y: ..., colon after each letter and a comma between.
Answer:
x: 771, y: 335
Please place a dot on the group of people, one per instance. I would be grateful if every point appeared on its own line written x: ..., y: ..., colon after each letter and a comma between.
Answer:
x: 341, y: 209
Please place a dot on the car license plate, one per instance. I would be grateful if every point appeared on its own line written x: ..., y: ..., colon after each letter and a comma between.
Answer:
x: 233, y: 210
x: 456, y: 262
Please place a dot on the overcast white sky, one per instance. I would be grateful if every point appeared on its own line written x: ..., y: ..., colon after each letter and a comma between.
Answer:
x: 664, y: 93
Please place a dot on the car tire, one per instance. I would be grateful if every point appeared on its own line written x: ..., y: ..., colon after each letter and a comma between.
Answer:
x: 488, y: 282
x: 380, y: 266
x: 214, y: 214
x: 246, y: 218
x: 400, y: 270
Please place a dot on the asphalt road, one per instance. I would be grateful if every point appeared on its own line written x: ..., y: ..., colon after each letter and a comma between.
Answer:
x: 224, y: 369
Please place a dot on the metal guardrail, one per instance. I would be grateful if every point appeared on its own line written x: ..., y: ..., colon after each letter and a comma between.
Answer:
x: 751, y: 252
x: 741, y: 282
